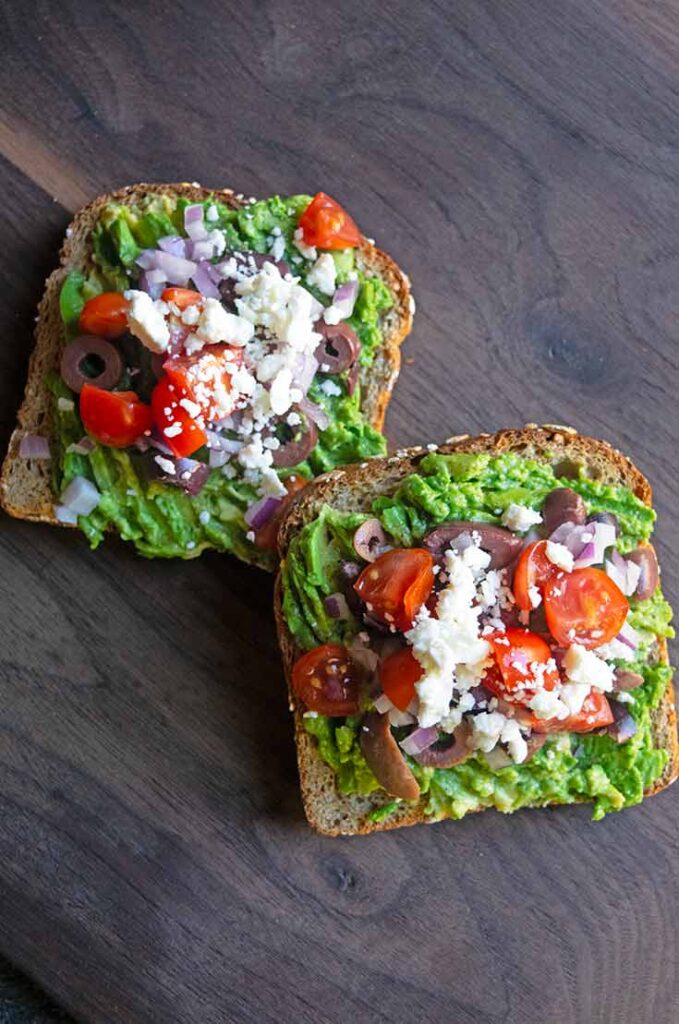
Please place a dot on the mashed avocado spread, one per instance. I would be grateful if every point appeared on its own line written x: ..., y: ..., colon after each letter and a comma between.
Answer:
x: 568, y: 768
x: 162, y: 520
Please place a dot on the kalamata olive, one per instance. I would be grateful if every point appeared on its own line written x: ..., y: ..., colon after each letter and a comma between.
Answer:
x: 384, y: 757
x: 339, y: 348
x: 370, y: 540
x: 501, y: 544
x: 625, y: 680
x: 534, y: 742
x: 298, y: 447
x: 563, y: 505
x: 101, y: 353
x: 250, y: 262
x: 609, y: 518
x: 446, y: 752
x: 645, y: 557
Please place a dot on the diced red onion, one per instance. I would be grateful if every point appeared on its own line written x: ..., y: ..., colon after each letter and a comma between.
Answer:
x: 85, y: 446
x: 587, y: 543
x: 419, y: 740
x: 151, y: 287
x: 260, y: 513
x: 205, y: 249
x: 81, y: 496
x: 217, y: 458
x: 624, y: 573
x: 315, y: 413
x: 336, y: 606
x: 173, y: 244
x: 586, y: 556
x: 34, y: 446
x: 345, y: 297
x: 305, y: 369
x: 398, y: 718
x: 193, y: 222
x: 214, y: 273
x: 628, y: 635
x: 176, y: 268
x: 203, y: 281
x: 65, y: 515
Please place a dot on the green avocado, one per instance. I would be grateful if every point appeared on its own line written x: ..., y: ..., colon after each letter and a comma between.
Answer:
x: 160, y: 519
x: 479, y: 487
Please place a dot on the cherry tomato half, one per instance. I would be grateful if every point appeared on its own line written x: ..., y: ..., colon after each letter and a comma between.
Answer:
x: 105, y: 315
x: 178, y: 429
x: 182, y: 298
x: 327, y: 225
x: 595, y: 713
x: 116, y: 418
x: 395, y: 586
x: 584, y: 607
x: 398, y: 674
x: 518, y: 656
x: 327, y: 681
x: 267, y: 536
x: 205, y: 378
x: 533, y: 569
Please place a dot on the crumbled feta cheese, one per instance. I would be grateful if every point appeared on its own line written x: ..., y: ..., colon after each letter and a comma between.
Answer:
x: 487, y: 728
x: 167, y: 465
x: 215, y: 325
x: 559, y: 555
x: 546, y: 704
x: 212, y: 213
x: 520, y: 518
x: 573, y: 696
x: 625, y: 698
x: 516, y: 744
x: 65, y: 404
x: 271, y: 486
x: 191, y: 315
x: 323, y: 273
x: 613, y: 649
x: 254, y: 455
x: 277, y: 250
x: 449, y: 644
x: 583, y: 666
x: 332, y: 314
x: 146, y: 320
x: 204, y: 517
x: 192, y: 408
x: 330, y: 388
x: 307, y: 251
x: 250, y: 535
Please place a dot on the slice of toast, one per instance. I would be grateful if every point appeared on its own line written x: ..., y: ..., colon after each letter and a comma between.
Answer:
x: 25, y: 484
x: 354, y: 489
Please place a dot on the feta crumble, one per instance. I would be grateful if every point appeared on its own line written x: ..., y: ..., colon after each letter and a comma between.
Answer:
x: 520, y: 518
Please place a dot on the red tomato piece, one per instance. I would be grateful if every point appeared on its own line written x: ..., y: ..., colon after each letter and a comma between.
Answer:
x: 533, y: 569
x: 180, y: 432
x: 267, y: 536
x: 395, y: 586
x: 327, y: 225
x: 398, y: 674
x: 116, y: 418
x: 105, y: 315
x: 523, y: 663
x: 327, y: 681
x: 182, y: 298
x: 205, y: 378
x: 595, y: 713
x: 584, y: 607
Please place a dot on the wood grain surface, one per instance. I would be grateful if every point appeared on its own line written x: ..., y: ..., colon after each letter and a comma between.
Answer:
x: 520, y: 159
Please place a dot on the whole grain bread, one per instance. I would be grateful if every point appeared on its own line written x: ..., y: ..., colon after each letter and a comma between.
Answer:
x: 25, y: 484
x: 354, y: 488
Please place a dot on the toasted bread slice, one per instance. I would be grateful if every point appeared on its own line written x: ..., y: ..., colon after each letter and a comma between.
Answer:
x: 354, y: 489
x: 25, y: 484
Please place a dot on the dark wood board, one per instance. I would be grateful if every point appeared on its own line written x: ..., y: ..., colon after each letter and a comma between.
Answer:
x: 520, y: 158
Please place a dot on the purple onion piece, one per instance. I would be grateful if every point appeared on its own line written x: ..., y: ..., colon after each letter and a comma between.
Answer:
x: 34, y: 446
x: 189, y: 474
x: 260, y: 513
x: 419, y: 740
x: 193, y: 222
x: 203, y: 281
x: 336, y: 606
x: 173, y: 244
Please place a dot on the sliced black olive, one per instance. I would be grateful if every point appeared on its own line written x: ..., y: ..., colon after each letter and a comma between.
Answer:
x: 384, y: 757
x: 91, y: 360
x: 626, y: 680
x: 563, y: 505
x: 339, y: 348
x: 298, y: 447
x: 646, y: 558
x: 448, y: 751
x: 501, y: 544
x: 370, y: 540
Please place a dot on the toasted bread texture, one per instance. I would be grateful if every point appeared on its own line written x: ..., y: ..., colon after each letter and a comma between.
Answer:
x: 25, y: 484
x: 354, y: 489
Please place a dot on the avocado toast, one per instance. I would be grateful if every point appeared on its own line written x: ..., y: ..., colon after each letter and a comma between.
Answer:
x: 345, y: 308
x: 478, y: 625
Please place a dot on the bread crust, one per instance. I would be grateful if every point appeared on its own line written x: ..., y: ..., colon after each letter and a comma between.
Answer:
x: 25, y: 484
x: 355, y: 487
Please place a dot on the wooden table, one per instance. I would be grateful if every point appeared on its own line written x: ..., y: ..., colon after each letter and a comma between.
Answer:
x: 520, y: 158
